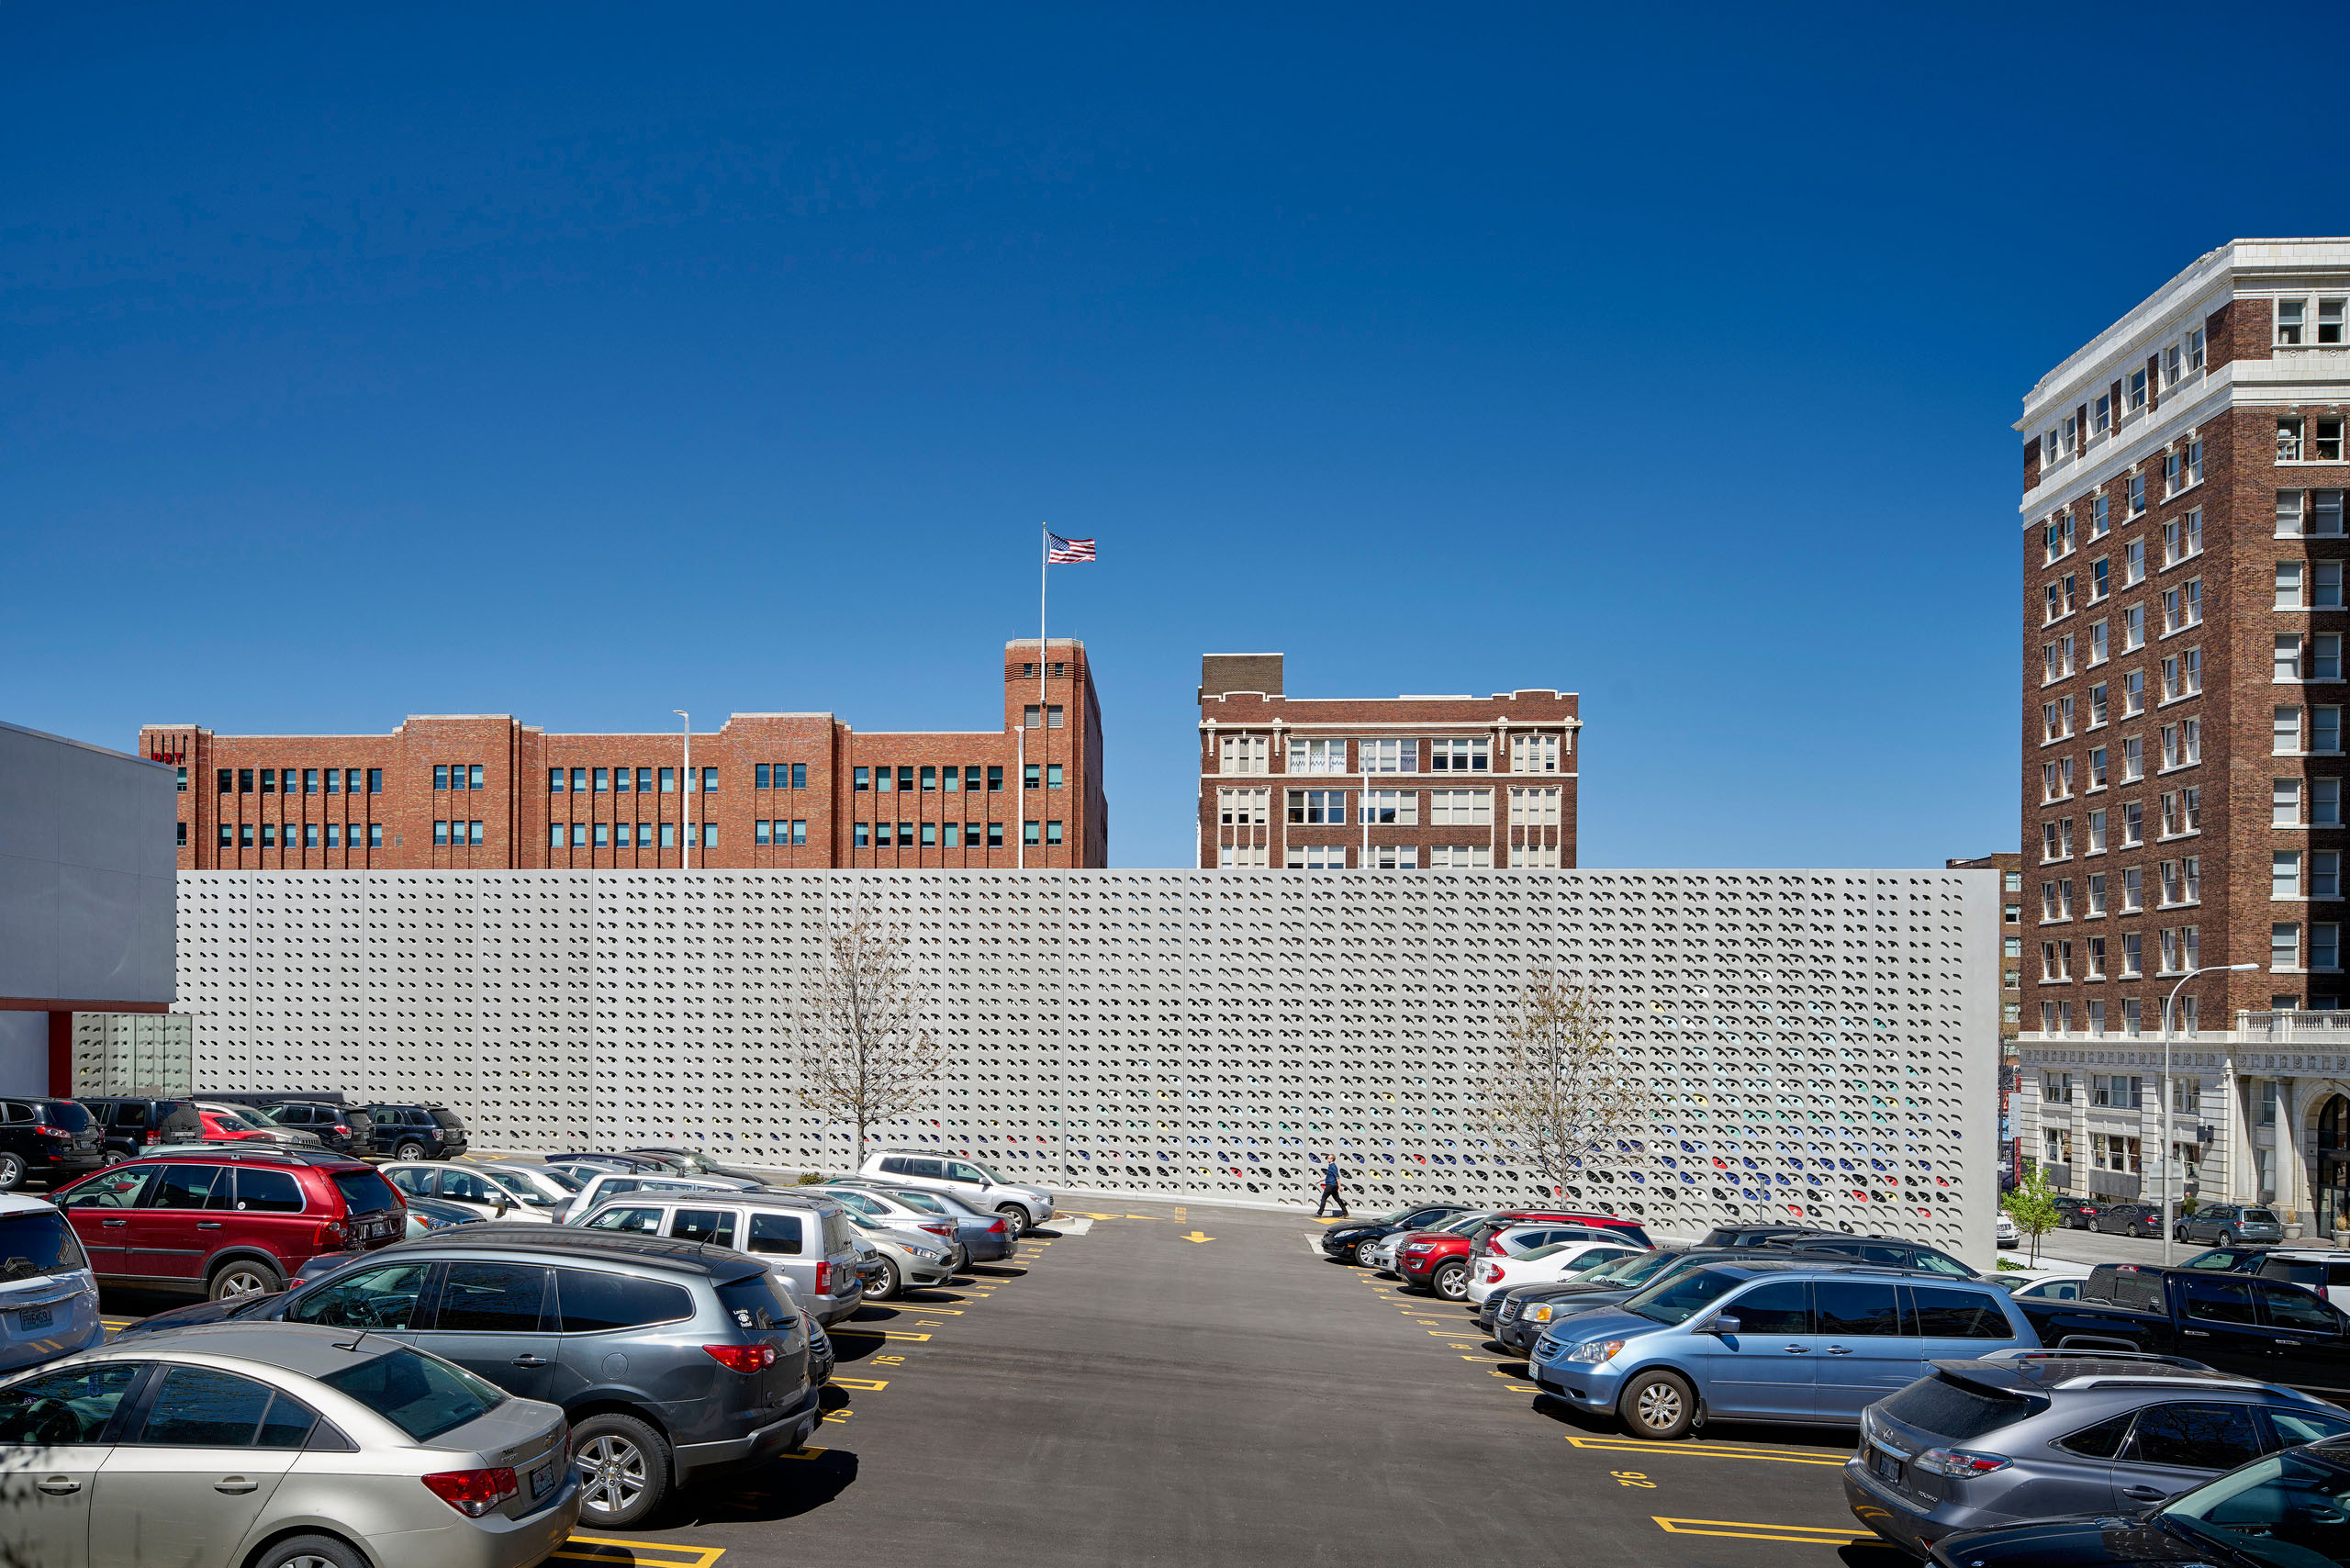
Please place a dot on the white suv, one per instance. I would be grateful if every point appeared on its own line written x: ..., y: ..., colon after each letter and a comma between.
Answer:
x: 1023, y: 1208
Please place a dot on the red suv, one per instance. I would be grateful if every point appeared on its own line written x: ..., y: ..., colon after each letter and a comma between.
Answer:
x: 1439, y: 1260
x: 230, y: 1224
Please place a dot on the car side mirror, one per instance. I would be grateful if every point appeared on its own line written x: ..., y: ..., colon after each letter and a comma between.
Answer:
x: 499, y: 1207
x: 1723, y: 1323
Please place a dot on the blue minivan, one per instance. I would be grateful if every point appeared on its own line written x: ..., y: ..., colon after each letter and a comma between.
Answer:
x: 1767, y: 1341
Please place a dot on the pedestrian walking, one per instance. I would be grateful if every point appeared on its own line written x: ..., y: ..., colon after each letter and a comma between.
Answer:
x: 1330, y: 1191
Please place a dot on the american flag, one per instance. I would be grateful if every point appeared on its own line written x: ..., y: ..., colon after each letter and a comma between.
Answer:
x: 1059, y: 552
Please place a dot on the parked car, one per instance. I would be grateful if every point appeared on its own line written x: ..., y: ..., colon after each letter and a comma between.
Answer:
x: 1540, y: 1265
x: 1353, y: 1240
x: 1756, y: 1235
x: 980, y: 1236
x: 2323, y: 1269
x: 2228, y: 1224
x: 2027, y: 1435
x: 676, y: 1362
x: 131, y: 1124
x: 2009, y: 1233
x: 224, y: 1123
x: 2056, y: 1281
x: 1439, y: 1260
x: 346, y: 1129
x: 49, y: 1295
x: 2242, y: 1324
x: 2129, y: 1219
x: 228, y: 1221
x: 54, y: 1139
x: 1736, y: 1341
x: 2282, y: 1509
x: 1892, y: 1251
x: 697, y: 1162
x: 1024, y: 1207
x: 2228, y: 1260
x: 586, y: 1165
x: 275, y: 1446
x: 487, y: 1191
x: 2078, y: 1213
x: 804, y: 1238
x: 417, y: 1132
x: 1546, y: 1307
x: 603, y: 1186
x: 1511, y: 1303
x: 875, y: 1207
x: 909, y: 1260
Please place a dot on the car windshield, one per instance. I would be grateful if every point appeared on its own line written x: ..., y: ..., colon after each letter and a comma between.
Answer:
x: 422, y: 1395
x: 921, y: 1201
x: 2285, y: 1509
x: 244, y: 1120
x: 555, y: 1179
x: 1633, y: 1270
x: 1677, y: 1298
x: 528, y: 1186
x: 988, y: 1172
x: 36, y: 1243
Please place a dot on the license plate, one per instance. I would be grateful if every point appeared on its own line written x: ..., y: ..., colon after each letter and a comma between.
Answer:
x: 1885, y: 1466
x: 543, y: 1479
x: 33, y: 1318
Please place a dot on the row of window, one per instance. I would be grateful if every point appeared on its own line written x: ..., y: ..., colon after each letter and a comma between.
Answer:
x: 2117, y: 1090
x: 448, y: 834
x: 460, y: 776
x: 2128, y: 1017
x: 619, y: 780
x: 2059, y: 530
x: 2293, y: 804
x: 943, y: 780
x: 2125, y: 402
x: 2293, y: 731
x: 1532, y: 751
x: 312, y: 836
x: 2293, y: 948
x: 1528, y: 805
x: 1385, y: 857
x: 948, y: 836
x: 2182, y: 605
x: 616, y: 835
x: 296, y: 780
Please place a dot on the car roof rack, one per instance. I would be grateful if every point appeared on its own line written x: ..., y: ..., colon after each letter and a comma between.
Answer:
x: 235, y: 1151
x: 2028, y: 1353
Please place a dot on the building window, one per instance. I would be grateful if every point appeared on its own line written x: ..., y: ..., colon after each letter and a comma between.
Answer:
x: 603, y: 781
x: 1032, y: 834
x: 861, y: 778
x: 619, y: 781
x: 1388, y: 808
x: 2133, y: 493
x: 861, y: 835
x: 1459, y: 755
x: 1241, y: 856
x: 2325, y: 444
x: 1030, y: 775
x: 183, y: 835
x: 1460, y: 808
x: 2325, y: 803
x: 555, y: 781
x: 995, y: 835
x: 1243, y: 808
x: 1534, y: 806
x: 2325, y: 945
x: 1317, y: 807
x: 1461, y: 857
x: 2326, y: 874
x: 2284, y: 946
x: 1052, y: 776
x: 1317, y: 757
x: 1241, y: 754
x: 1392, y: 857
x: 2291, y: 320
x: 1535, y: 753
x: 1052, y: 834
x: 1388, y: 755
x: 554, y: 835
x: 2286, y: 732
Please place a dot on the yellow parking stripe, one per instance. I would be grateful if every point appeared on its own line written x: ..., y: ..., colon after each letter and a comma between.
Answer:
x: 865, y: 1385
x: 1701, y: 1450
x: 1810, y: 1535
x: 641, y: 1553
x: 805, y: 1454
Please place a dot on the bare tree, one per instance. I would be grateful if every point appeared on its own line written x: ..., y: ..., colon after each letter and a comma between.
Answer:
x: 867, y: 1050
x: 1561, y: 1094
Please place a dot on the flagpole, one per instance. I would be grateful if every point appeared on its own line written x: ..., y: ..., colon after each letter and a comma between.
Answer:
x: 1043, y: 717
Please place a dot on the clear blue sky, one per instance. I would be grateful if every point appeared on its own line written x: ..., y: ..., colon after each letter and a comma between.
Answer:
x: 586, y: 362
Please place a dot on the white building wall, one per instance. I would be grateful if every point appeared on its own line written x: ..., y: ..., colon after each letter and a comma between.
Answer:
x: 1823, y: 1043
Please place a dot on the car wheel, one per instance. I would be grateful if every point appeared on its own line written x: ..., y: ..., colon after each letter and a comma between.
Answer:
x: 2178, y: 1233
x: 1451, y: 1281
x: 1015, y: 1220
x: 243, y: 1278
x: 409, y: 1150
x: 960, y: 1261
x: 12, y: 1171
x: 310, y: 1552
x: 2227, y: 1238
x: 1658, y: 1404
x: 1364, y: 1250
x: 623, y: 1469
x: 885, y: 1284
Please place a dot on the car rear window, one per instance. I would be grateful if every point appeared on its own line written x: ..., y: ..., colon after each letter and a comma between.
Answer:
x: 422, y: 1395
x: 34, y: 1244
x: 2260, y: 1217
x: 365, y: 1192
x: 1958, y: 1411
x: 752, y: 1302
x: 449, y: 1120
x: 268, y: 1191
x: 64, y: 1113
x: 775, y: 1234
x: 1958, y: 1315
x: 593, y: 1301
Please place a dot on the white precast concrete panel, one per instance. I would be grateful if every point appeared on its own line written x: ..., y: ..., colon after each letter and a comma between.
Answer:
x: 1824, y: 1043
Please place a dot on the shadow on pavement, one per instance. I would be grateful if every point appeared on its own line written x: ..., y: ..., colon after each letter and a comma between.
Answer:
x: 781, y: 1489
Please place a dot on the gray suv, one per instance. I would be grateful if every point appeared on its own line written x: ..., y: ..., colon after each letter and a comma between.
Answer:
x: 804, y: 1239
x: 674, y: 1361
x: 2032, y: 1434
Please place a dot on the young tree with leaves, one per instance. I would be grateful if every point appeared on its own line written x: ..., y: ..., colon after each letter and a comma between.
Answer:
x: 868, y: 1051
x: 1561, y: 1093
x: 2032, y: 1206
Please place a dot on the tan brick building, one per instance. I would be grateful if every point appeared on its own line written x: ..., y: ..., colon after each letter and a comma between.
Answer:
x: 786, y: 790
x: 2184, y: 556
x: 1393, y: 783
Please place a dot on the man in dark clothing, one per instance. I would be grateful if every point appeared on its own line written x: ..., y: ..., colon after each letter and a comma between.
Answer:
x: 1330, y: 1191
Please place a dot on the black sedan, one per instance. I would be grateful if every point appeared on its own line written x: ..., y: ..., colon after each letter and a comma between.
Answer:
x: 2079, y: 1213
x: 2129, y: 1219
x: 1351, y: 1240
x: 2288, y: 1508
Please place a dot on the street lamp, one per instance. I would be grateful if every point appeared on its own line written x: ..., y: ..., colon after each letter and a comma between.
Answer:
x: 2170, y: 1005
x: 685, y: 806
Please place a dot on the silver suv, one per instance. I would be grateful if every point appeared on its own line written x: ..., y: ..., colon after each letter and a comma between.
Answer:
x: 2032, y: 1434
x: 1023, y: 1209
x: 804, y: 1240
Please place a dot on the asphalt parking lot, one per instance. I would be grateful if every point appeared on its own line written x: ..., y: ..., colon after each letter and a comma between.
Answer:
x: 1151, y: 1384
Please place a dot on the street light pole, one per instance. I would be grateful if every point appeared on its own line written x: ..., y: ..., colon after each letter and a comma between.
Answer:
x: 2170, y: 1005
x: 686, y: 806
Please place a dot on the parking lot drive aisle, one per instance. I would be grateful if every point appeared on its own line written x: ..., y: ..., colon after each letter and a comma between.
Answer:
x: 1137, y: 1396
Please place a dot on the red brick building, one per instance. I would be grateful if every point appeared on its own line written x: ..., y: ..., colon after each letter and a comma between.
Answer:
x: 1392, y: 783
x: 784, y: 791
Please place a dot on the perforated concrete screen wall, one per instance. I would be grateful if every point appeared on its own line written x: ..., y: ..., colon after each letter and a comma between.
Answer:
x: 1823, y: 1043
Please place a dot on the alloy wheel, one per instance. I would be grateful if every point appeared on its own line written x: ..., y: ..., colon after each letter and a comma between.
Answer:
x: 1363, y: 1250
x: 1659, y: 1406
x: 611, y: 1473
x: 241, y: 1280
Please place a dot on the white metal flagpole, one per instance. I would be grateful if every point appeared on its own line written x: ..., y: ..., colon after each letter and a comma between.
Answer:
x: 1044, y: 715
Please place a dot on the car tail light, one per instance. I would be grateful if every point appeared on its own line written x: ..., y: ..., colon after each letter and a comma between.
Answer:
x: 742, y: 1358
x: 996, y: 1229
x: 944, y: 1229
x: 1959, y: 1461
x: 152, y: 1138
x: 823, y: 1276
x: 1489, y: 1271
x: 343, y: 1130
x: 45, y: 1131
x: 332, y: 1236
x: 473, y: 1492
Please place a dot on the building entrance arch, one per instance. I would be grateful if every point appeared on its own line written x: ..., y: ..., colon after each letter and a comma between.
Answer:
x: 2330, y: 1172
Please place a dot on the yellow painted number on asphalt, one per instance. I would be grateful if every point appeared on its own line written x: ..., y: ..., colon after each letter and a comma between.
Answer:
x: 1631, y: 1478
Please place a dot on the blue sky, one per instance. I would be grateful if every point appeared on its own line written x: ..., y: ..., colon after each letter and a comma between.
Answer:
x: 586, y: 362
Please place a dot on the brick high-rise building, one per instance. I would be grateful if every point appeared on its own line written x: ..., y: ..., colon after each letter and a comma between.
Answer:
x: 2184, y: 556
x: 1382, y: 783
x: 784, y: 791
